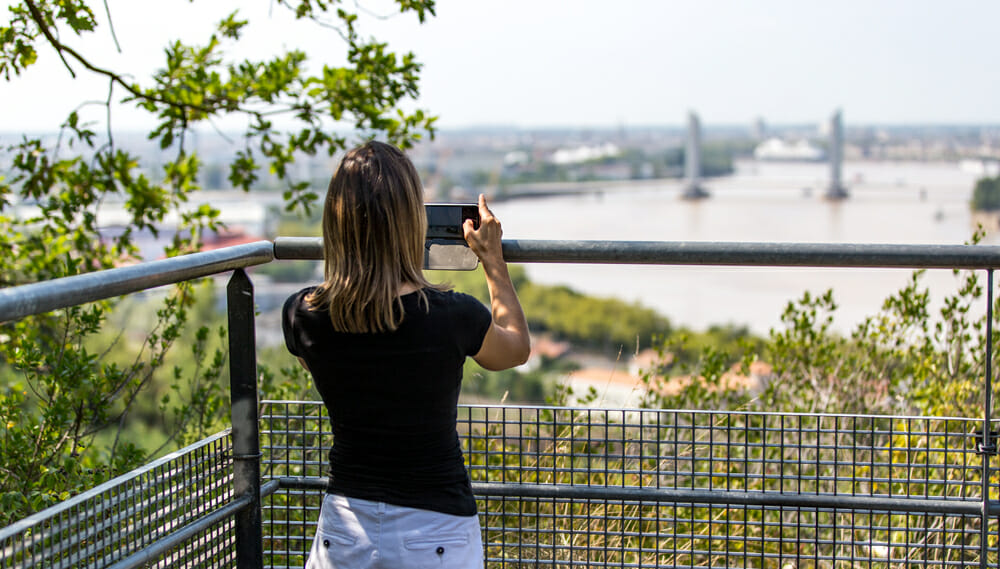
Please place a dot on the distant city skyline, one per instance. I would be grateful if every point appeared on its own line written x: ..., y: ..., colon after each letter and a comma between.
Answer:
x: 592, y: 64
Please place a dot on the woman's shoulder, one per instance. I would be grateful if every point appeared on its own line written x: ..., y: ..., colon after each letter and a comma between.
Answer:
x: 295, y: 318
x: 450, y: 297
x: 455, y: 303
x: 297, y: 301
x: 300, y: 295
x: 467, y: 318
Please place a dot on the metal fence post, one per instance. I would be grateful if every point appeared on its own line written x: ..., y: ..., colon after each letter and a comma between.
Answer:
x: 988, y: 446
x: 246, y: 436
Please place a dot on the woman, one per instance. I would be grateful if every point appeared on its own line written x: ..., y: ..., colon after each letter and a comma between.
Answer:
x: 385, y: 349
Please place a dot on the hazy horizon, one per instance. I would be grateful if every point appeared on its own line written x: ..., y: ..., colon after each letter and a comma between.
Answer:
x: 570, y: 128
x: 529, y: 65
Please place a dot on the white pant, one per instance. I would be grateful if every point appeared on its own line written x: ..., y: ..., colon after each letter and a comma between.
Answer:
x: 355, y: 534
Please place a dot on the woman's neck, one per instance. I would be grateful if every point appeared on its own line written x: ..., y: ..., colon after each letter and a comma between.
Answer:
x: 407, y: 288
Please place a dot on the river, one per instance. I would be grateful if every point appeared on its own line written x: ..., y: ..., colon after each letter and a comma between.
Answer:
x: 905, y: 203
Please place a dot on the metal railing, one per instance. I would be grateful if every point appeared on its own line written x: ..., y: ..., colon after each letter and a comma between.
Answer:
x: 568, y: 487
x: 191, y: 509
x: 557, y: 486
x: 174, y: 512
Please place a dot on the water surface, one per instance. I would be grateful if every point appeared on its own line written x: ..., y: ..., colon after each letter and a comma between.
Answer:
x: 905, y: 203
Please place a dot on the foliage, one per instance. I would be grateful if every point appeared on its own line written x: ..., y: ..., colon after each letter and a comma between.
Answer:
x: 798, y: 456
x: 688, y: 347
x: 197, y: 85
x: 677, y: 452
x: 63, y: 401
x: 513, y: 385
x: 906, y: 359
x: 290, y: 271
x: 986, y: 194
x: 61, y: 392
x: 902, y: 360
x: 295, y: 224
x: 787, y: 438
x: 606, y: 324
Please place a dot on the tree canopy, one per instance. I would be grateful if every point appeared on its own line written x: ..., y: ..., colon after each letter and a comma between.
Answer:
x: 59, y: 389
x: 986, y: 194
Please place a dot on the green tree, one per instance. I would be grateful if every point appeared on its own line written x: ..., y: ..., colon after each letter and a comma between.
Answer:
x: 605, y: 324
x: 986, y: 194
x: 59, y: 391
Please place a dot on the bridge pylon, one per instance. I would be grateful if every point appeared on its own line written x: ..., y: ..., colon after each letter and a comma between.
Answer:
x: 836, y: 189
x: 692, y: 161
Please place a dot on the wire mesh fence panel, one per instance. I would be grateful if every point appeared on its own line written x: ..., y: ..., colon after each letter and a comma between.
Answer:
x: 752, y: 459
x: 295, y: 440
x: 569, y: 487
x: 753, y: 452
x: 609, y: 533
x: 133, y: 515
x: 213, y: 547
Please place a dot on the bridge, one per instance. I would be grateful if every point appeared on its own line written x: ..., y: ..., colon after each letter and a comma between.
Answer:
x: 693, y: 189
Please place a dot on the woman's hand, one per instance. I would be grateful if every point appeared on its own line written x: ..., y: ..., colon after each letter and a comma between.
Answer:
x: 485, y: 242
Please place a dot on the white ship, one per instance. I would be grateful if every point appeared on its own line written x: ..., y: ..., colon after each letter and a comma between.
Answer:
x: 780, y: 150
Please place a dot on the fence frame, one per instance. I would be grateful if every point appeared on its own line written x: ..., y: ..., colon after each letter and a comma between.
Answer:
x: 547, y: 447
x: 22, y: 301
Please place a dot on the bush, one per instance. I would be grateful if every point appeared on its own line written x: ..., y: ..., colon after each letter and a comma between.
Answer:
x: 986, y: 194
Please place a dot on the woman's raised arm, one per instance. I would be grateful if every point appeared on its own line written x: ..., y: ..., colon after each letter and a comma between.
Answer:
x: 507, y: 343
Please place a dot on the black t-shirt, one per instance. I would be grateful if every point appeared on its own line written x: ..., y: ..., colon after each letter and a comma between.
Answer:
x: 393, y: 398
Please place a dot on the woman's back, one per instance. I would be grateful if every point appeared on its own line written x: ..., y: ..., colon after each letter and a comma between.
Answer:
x: 392, y: 398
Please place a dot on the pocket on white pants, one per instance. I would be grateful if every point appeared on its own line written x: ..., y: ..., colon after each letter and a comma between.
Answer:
x: 333, y: 550
x: 446, y: 550
x: 338, y: 541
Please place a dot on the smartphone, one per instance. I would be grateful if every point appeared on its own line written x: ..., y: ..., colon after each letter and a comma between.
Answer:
x: 445, y: 244
x: 445, y: 220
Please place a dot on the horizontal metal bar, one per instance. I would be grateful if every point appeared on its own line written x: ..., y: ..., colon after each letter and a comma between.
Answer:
x: 512, y: 409
x: 867, y: 255
x: 302, y: 482
x: 753, y: 254
x: 730, y: 498
x: 269, y: 488
x: 300, y: 248
x: 717, y: 497
x: 147, y: 555
x: 18, y: 302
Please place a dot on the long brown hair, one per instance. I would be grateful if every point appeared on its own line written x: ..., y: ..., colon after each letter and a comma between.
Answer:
x: 373, y: 240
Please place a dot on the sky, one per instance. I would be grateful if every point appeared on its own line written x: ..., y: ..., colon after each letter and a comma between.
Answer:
x: 590, y: 63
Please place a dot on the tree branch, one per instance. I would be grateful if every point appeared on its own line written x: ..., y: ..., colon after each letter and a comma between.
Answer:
x: 323, y: 24
x: 62, y: 48
x: 111, y: 26
x: 36, y: 15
